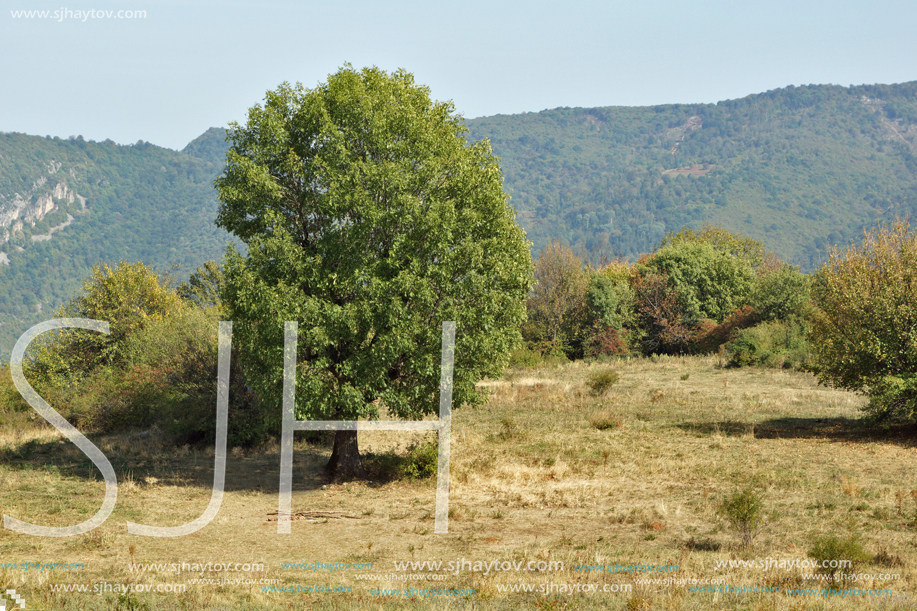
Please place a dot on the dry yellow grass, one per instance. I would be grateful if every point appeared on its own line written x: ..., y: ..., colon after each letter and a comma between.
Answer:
x: 533, y: 479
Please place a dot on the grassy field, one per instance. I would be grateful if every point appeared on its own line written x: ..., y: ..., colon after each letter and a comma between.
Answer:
x: 547, y: 475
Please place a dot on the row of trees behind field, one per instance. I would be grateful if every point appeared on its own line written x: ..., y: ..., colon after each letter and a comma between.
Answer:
x: 853, y: 322
x: 369, y: 221
x: 697, y: 291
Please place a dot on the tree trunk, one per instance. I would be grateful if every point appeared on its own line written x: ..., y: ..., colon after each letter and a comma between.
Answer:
x: 345, y: 460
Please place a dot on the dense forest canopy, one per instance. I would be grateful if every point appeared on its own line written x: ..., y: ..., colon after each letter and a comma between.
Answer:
x: 797, y: 168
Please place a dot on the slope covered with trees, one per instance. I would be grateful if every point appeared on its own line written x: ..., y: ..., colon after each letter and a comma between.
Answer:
x: 797, y: 168
x: 139, y: 202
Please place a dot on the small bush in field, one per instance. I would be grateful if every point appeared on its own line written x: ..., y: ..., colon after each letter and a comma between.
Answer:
x: 508, y: 429
x: 537, y: 354
x: 831, y: 550
x: 744, y: 511
x: 525, y: 358
x: 601, y: 381
x: 421, y: 461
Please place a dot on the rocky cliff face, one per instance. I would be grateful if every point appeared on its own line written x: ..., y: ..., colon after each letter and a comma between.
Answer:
x: 32, y: 207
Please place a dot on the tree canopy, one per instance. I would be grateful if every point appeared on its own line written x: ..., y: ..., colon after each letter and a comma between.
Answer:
x: 369, y: 220
x: 710, y: 283
x: 864, y: 328
x: 557, y: 303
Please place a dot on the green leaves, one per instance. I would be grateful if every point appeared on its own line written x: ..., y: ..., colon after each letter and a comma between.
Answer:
x: 128, y: 297
x: 710, y: 283
x: 863, y: 329
x: 369, y: 219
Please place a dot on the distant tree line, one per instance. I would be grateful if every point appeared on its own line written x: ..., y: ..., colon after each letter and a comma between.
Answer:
x: 697, y: 291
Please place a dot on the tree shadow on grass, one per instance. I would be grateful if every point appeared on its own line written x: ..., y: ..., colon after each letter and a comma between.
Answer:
x: 140, y: 459
x: 835, y: 429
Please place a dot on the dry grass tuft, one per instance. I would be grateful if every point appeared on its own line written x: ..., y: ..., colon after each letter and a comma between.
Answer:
x: 606, y: 419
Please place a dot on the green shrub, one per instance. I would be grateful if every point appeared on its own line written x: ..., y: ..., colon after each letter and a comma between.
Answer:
x: 893, y: 399
x: 107, y: 399
x: 744, y: 512
x: 832, y: 549
x: 769, y: 344
x: 781, y: 294
x: 710, y: 283
x: 183, y: 351
x: 166, y: 376
x: 10, y: 399
x: 611, y: 300
x: 537, y: 354
x: 421, y: 461
x: 129, y: 297
x: 524, y: 358
x: 601, y: 381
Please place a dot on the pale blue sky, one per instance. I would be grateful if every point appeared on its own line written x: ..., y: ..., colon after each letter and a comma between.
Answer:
x: 168, y: 77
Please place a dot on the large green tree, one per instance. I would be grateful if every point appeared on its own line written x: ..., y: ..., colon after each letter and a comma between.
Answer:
x: 369, y: 219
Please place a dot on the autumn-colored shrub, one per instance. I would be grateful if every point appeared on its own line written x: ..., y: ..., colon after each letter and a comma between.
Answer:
x: 709, y: 336
x: 557, y: 310
x: 661, y: 315
x: 607, y: 341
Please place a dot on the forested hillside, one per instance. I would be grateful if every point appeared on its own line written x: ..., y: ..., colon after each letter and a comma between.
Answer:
x: 139, y: 202
x: 798, y: 168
